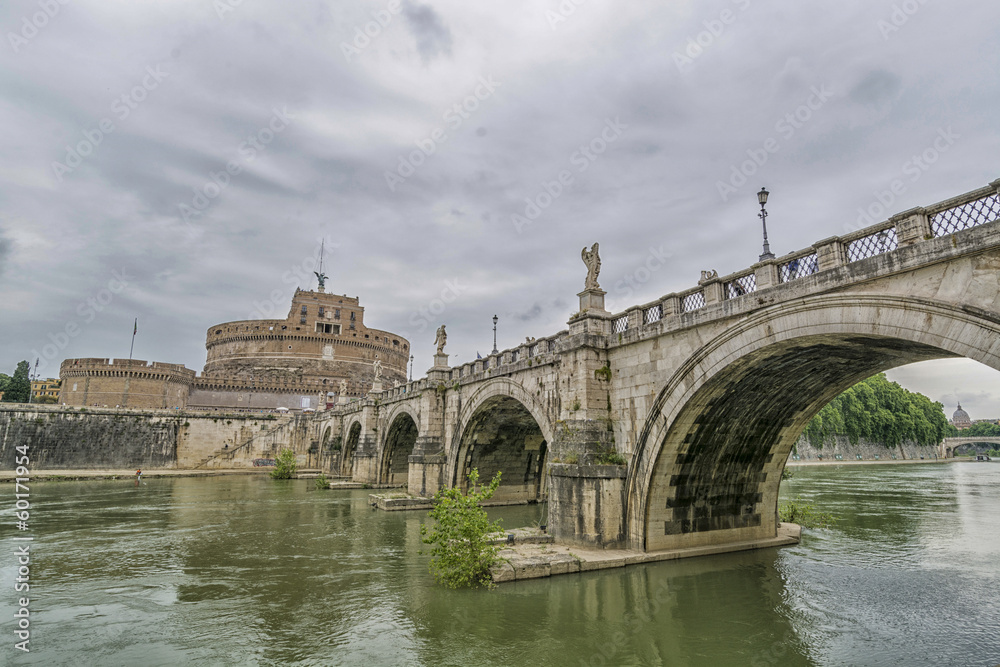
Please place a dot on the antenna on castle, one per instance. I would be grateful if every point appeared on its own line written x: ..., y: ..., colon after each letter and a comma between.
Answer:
x: 320, y: 276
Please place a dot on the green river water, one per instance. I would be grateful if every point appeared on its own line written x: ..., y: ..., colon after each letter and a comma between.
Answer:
x: 245, y: 571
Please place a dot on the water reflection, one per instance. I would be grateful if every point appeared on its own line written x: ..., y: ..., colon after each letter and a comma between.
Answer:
x: 245, y: 571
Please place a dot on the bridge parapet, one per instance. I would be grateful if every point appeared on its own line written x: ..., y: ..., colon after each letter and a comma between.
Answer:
x: 782, y: 277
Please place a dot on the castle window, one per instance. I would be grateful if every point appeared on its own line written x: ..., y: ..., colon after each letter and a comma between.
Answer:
x: 395, y: 343
x: 321, y: 311
x: 352, y: 315
x: 336, y: 314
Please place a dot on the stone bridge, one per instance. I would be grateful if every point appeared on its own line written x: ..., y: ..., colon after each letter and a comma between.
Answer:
x: 948, y: 446
x: 668, y: 425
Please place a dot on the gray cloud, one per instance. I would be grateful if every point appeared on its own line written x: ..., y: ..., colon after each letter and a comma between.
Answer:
x: 433, y: 37
x: 358, y: 119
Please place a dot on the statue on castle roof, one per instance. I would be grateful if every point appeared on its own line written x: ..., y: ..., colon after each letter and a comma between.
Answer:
x: 321, y: 277
x: 440, y: 339
x: 593, y: 261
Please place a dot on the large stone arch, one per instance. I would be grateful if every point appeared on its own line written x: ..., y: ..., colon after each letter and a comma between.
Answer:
x: 708, y: 461
x: 502, y: 428
x: 397, y: 445
x: 349, y: 446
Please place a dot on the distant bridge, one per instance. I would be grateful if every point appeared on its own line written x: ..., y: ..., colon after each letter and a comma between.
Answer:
x: 949, y: 445
x: 703, y: 392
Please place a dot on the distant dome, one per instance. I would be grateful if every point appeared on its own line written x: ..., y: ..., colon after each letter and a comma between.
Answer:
x: 961, y: 418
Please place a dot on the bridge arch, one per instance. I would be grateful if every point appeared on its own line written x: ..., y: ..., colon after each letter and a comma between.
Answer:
x: 503, y: 428
x: 708, y: 460
x: 950, y: 446
x: 349, y: 446
x: 397, y: 445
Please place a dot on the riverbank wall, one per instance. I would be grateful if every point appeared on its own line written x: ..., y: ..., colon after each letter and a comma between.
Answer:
x: 839, y: 448
x: 66, y: 438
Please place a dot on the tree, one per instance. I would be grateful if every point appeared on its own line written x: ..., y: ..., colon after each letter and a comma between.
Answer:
x: 284, y: 465
x: 881, y: 411
x: 461, y: 551
x: 4, y: 382
x: 19, y: 387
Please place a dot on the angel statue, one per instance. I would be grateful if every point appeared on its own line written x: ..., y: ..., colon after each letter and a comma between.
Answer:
x: 593, y: 261
x: 321, y: 277
x: 440, y: 339
x: 343, y: 387
x: 377, y: 368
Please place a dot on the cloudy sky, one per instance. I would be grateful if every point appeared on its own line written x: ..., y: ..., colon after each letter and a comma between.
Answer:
x: 181, y: 161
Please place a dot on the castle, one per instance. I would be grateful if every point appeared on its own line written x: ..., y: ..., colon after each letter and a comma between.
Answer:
x: 320, y: 353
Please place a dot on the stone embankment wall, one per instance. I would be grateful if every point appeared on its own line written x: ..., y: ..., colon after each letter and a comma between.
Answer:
x: 66, y: 438
x: 841, y: 446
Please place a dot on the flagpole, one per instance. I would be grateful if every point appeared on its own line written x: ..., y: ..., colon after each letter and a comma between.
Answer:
x: 135, y: 328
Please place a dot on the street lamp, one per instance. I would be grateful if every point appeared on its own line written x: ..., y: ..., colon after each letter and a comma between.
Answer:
x: 411, y: 368
x: 762, y: 198
x: 495, y: 318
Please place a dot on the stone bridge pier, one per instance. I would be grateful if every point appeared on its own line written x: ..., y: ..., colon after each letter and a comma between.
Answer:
x: 667, y: 426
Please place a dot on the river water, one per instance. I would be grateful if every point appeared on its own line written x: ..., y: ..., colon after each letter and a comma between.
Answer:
x: 246, y: 571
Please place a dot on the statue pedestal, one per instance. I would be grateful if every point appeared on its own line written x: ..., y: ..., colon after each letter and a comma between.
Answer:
x: 440, y: 362
x: 592, y: 300
x: 342, y: 400
x: 376, y: 385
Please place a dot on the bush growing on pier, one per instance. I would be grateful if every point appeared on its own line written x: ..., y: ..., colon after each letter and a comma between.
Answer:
x: 284, y: 465
x: 322, y: 483
x: 461, y: 551
x: 804, y: 514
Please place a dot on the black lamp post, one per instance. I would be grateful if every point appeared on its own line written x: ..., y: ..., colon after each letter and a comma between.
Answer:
x: 411, y: 368
x: 495, y: 318
x: 762, y: 198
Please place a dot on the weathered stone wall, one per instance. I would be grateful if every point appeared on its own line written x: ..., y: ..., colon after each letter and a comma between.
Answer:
x: 126, y: 383
x: 68, y: 438
x: 868, y: 451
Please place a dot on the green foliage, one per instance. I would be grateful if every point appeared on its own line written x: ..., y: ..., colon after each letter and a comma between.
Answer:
x: 284, y: 465
x: 984, y: 429
x: 47, y: 399
x: 786, y: 474
x: 19, y: 387
x: 804, y: 514
x: 603, y: 373
x: 878, y: 410
x: 461, y: 551
x: 322, y: 483
x: 610, y: 457
x: 576, y: 406
x: 4, y: 382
